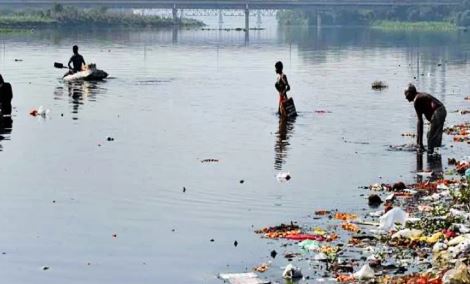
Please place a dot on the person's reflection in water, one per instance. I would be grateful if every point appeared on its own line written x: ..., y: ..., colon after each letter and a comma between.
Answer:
x: 419, y: 165
x: 78, y: 92
x: 434, y: 164
x: 286, y: 126
x: 6, y: 126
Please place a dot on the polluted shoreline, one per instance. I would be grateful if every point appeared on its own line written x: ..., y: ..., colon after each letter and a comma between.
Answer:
x: 413, y: 232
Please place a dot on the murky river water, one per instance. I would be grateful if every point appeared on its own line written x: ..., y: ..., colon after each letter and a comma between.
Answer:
x: 99, y: 211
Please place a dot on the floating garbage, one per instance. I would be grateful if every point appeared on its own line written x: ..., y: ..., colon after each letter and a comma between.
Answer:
x: 458, y: 275
x: 291, y: 272
x: 375, y: 200
x: 391, y: 218
x: 210, y: 161
x: 379, y: 85
x: 365, y: 273
x: 408, y: 134
x: 283, y: 177
x: 403, y: 148
x: 310, y: 245
x: 345, y: 216
x: 263, y: 267
x: 243, y: 278
x: 420, y: 234
x: 41, y: 111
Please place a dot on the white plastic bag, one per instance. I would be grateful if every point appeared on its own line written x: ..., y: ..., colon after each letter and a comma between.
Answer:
x: 42, y: 111
x: 392, y: 217
x: 292, y: 272
x: 283, y: 177
x: 364, y: 273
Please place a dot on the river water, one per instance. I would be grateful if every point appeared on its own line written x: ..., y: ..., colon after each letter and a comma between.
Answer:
x: 99, y: 211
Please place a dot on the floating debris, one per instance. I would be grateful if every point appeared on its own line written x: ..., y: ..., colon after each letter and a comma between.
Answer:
x: 41, y: 111
x: 283, y: 177
x: 408, y: 134
x: 379, y: 85
x: 210, y: 161
x: 263, y: 267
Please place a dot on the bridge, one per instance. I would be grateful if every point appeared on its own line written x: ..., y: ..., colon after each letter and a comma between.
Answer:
x: 245, y: 5
x: 228, y: 4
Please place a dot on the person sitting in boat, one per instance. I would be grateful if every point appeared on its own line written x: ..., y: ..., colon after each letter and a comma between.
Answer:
x: 77, y: 61
x: 282, y: 86
x: 6, y: 95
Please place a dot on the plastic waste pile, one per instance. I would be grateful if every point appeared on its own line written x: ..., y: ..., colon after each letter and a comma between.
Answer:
x: 420, y: 234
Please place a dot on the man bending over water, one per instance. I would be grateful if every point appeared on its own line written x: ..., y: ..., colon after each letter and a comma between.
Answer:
x: 77, y: 60
x: 434, y: 111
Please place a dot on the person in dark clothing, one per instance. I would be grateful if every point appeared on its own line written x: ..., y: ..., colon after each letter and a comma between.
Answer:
x: 434, y: 111
x: 6, y: 95
x: 77, y: 60
x: 282, y: 86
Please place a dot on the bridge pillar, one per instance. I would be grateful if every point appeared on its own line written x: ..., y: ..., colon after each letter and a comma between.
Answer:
x: 247, y: 19
x: 174, y: 12
x: 181, y: 15
x: 318, y: 20
x: 258, y: 18
x: 221, y: 17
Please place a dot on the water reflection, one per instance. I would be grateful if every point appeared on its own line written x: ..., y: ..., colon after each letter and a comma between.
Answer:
x: 285, y: 131
x: 434, y: 164
x: 78, y: 92
x: 6, y: 126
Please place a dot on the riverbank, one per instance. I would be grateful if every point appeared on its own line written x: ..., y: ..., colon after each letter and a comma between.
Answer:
x: 413, y: 232
x: 419, y: 26
x: 65, y: 17
x: 394, y: 19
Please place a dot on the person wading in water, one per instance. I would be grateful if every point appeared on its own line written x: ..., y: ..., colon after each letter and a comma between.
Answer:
x: 282, y: 86
x: 434, y: 111
x: 6, y: 95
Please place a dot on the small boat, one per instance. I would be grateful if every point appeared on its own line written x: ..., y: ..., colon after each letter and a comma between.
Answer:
x: 90, y: 73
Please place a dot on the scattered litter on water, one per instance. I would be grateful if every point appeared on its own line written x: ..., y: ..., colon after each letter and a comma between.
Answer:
x: 283, y: 177
x: 263, y: 267
x: 242, y: 278
x: 210, y: 161
x: 41, y: 111
x: 403, y: 147
x: 291, y: 272
x: 322, y: 111
x: 355, y: 142
x: 379, y: 85
x: 408, y: 134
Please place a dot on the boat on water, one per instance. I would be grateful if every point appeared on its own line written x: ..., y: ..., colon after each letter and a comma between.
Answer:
x: 90, y: 73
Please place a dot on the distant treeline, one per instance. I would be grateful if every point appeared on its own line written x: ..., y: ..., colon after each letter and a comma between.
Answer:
x: 67, y: 16
x: 455, y: 16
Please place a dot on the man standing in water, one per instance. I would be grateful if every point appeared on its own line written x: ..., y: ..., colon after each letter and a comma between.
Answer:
x: 6, y: 95
x: 77, y: 60
x: 434, y: 111
x: 282, y: 86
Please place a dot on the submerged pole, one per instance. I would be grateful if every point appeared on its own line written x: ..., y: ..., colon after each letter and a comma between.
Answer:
x: 318, y: 19
x: 247, y: 18
x: 221, y: 17
x: 247, y: 24
x: 258, y: 18
x: 175, y: 14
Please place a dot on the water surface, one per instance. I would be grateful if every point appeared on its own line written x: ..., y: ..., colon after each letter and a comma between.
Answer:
x: 115, y: 212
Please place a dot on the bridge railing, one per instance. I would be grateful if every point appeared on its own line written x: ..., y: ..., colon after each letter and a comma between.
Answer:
x: 259, y: 3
